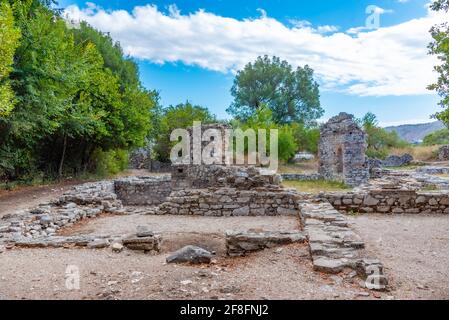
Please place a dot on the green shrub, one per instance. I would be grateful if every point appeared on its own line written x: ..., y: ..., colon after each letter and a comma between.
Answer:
x: 437, y: 138
x: 307, y: 138
x: 110, y: 162
x: 380, y: 141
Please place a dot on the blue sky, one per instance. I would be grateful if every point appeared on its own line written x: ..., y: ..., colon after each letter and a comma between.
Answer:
x: 192, y: 55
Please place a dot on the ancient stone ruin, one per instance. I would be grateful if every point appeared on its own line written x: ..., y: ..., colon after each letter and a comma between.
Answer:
x: 219, y: 191
x: 342, y: 149
x: 443, y: 153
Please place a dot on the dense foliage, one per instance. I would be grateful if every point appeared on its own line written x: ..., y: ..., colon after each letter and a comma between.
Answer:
x: 9, y: 40
x: 262, y: 118
x: 379, y: 139
x: 77, y: 97
x: 180, y: 116
x: 292, y: 95
x: 437, y: 138
x: 440, y: 48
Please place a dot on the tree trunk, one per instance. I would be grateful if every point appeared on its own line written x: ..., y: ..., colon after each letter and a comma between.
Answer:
x: 61, y: 163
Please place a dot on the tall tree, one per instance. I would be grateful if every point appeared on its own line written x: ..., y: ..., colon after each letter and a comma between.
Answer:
x: 180, y: 116
x: 292, y: 95
x: 9, y: 41
x: 440, y: 48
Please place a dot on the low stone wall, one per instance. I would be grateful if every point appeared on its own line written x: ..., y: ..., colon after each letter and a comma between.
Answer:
x: 433, y: 170
x: 391, y: 201
x: 334, y: 246
x: 143, y: 190
x: 43, y: 222
x: 219, y: 176
x: 232, y: 202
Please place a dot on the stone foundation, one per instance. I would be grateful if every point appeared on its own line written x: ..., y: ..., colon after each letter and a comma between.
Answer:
x: 143, y: 191
x: 231, y: 202
x: 219, y: 176
x: 334, y: 246
x: 391, y: 201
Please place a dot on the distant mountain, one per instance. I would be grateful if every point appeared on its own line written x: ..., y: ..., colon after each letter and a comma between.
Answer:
x: 416, y: 132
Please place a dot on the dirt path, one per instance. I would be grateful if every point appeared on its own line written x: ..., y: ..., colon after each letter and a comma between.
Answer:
x: 28, y: 197
x: 414, y: 250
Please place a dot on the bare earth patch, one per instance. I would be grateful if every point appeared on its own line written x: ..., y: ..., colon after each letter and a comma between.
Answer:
x: 271, y: 274
x: 414, y: 250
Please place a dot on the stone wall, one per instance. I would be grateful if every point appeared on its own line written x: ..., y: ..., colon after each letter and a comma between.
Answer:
x: 232, y: 202
x: 143, y: 190
x: 342, y: 149
x: 218, y: 176
x: 443, y: 153
x: 391, y: 201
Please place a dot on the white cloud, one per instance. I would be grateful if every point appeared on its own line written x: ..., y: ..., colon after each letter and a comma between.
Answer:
x: 387, y: 61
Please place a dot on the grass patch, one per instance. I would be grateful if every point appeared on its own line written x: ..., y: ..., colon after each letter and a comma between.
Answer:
x: 300, y: 167
x: 407, y: 167
x: 430, y: 188
x: 420, y: 153
x: 316, y: 186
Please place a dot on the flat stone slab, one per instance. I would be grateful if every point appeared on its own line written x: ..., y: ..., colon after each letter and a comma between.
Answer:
x: 143, y: 243
x: 239, y: 243
x: 334, y: 246
x: 329, y: 265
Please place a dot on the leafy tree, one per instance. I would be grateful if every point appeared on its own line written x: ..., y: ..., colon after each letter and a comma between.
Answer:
x: 180, y: 116
x: 306, y: 137
x: 379, y: 139
x: 79, y: 99
x: 9, y: 41
x: 292, y: 95
x: 440, y: 48
x: 262, y: 118
x: 439, y: 137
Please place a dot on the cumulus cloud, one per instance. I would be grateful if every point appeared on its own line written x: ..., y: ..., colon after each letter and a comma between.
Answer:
x: 387, y: 61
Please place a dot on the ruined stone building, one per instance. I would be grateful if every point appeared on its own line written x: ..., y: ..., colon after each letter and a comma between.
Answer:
x: 196, y: 175
x: 342, y: 149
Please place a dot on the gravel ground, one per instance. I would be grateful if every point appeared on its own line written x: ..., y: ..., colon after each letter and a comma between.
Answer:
x: 414, y: 250
x: 271, y: 274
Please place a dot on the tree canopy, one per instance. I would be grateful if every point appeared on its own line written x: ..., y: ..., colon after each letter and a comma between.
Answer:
x: 9, y: 41
x: 76, y: 95
x: 180, y: 116
x: 440, y: 48
x: 292, y: 95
